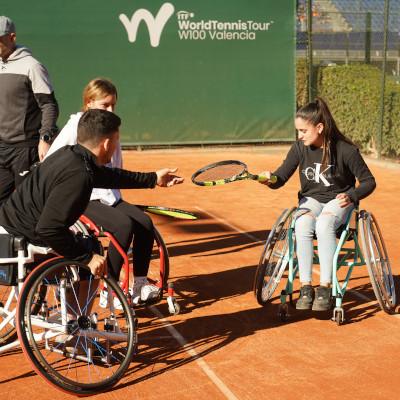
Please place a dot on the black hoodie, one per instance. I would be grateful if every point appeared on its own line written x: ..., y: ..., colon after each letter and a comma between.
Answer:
x: 323, y: 184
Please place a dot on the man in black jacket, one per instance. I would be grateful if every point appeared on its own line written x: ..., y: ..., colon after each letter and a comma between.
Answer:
x: 58, y: 190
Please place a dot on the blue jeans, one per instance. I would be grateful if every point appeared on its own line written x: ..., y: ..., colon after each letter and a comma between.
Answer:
x: 323, y: 219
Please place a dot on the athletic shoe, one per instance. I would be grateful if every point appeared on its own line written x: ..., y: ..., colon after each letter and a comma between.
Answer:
x: 306, y: 298
x: 323, y: 299
x: 103, y: 302
x: 144, y: 292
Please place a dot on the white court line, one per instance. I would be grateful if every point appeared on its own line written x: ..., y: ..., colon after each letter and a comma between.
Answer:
x: 199, y: 360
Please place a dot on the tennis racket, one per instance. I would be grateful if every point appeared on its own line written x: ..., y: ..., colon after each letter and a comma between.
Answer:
x: 223, y: 172
x: 169, y: 212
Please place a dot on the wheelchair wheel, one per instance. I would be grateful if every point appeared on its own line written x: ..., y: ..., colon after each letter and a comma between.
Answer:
x: 274, y: 258
x: 76, y: 341
x: 159, y: 264
x: 377, y: 261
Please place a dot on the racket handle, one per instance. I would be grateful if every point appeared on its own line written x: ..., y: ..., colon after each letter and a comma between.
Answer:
x: 263, y: 178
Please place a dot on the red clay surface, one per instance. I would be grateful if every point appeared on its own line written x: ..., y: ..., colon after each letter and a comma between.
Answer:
x: 223, y: 345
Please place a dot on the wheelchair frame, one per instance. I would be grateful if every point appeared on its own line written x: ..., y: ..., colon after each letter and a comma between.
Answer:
x: 278, y: 256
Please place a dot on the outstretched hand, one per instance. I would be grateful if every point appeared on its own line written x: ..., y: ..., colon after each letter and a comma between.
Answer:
x: 267, y: 175
x: 166, y: 177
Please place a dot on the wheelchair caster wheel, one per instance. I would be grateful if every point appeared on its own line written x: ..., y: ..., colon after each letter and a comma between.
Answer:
x: 283, y: 312
x: 338, y: 316
x: 173, y: 306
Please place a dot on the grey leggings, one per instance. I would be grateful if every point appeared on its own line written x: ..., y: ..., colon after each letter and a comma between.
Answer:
x: 323, y: 219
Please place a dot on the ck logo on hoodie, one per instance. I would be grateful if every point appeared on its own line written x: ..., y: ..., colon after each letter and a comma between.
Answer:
x: 316, y: 175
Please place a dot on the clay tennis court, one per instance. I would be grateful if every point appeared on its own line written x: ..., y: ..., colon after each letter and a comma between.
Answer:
x: 223, y: 345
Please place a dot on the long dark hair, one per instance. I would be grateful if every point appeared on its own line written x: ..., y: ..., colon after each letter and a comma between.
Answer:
x: 317, y: 112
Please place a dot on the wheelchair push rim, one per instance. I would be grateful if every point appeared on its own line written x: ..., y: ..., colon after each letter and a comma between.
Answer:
x: 274, y: 259
x: 377, y: 261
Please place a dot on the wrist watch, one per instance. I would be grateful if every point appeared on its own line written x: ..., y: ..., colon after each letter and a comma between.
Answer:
x: 46, y: 137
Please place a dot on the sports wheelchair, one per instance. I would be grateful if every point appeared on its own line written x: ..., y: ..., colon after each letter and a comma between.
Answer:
x: 278, y: 261
x: 72, y: 341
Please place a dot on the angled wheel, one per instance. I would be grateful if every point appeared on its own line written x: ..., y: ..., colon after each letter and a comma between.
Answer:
x: 377, y: 261
x: 159, y: 264
x: 76, y: 341
x: 274, y: 258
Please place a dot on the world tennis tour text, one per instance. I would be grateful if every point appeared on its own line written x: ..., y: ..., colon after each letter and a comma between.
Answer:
x: 188, y: 29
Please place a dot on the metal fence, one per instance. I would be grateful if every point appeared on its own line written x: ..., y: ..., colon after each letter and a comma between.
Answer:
x: 336, y: 32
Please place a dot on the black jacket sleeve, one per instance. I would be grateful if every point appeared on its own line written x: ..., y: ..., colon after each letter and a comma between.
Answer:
x: 115, y: 178
x: 288, y: 167
x: 360, y: 170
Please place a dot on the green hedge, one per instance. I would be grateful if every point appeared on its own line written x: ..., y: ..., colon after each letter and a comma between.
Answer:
x: 353, y: 95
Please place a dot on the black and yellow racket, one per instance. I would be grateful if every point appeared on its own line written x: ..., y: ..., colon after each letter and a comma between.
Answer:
x: 223, y: 172
x: 166, y: 211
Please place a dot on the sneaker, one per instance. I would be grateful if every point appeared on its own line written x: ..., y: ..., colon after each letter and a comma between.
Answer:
x: 323, y: 299
x: 144, y: 292
x: 103, y: 302
x: 306, y: 298
x: 149, y: 292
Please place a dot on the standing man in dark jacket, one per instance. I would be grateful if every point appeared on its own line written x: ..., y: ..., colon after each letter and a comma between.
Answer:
x: 28, y: 110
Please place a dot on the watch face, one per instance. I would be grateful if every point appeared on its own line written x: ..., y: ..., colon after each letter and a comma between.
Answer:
x: 46, y: 138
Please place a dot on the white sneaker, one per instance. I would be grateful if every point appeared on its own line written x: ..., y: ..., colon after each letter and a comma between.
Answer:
x: 143, y: 291
x: 103, y: 302
x: 149, y: 292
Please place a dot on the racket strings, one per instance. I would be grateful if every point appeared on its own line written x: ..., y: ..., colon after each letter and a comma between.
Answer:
x: 219, y: 172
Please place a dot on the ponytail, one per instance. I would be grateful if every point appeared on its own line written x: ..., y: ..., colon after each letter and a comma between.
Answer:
x: 317, y: 112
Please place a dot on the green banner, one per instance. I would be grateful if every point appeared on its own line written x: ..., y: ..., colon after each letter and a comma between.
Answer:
x: 187, y: 71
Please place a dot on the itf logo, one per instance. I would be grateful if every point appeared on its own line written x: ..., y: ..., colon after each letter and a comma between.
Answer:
x: 155, y: 25
x: 184, y: 15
